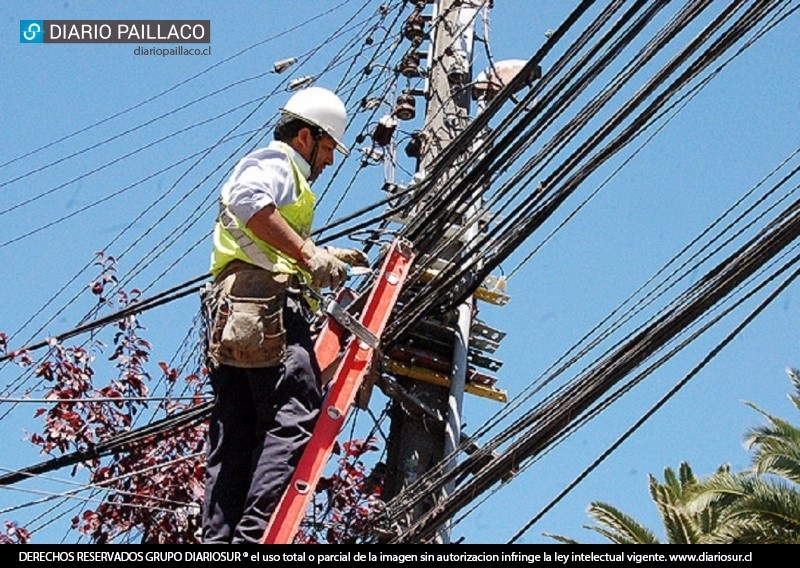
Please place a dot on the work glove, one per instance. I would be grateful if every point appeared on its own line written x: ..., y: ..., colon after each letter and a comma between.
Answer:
x: 353, y: 257
x: 326, y: 270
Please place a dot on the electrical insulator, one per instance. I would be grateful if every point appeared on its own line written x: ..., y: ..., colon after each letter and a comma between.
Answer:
x: 409, y: 65
x: 406, y: 108
x: 371, y: 154
x: 414, y: 28
x: 370, y: 104
x: 384, y: 131
x: 283, y: 64
x: 414, y: 147
x: 490, y: 81
x: 300, y: 83
x: 457, y: 75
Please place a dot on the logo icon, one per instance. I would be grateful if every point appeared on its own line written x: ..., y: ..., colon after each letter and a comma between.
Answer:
x: 31, y: 31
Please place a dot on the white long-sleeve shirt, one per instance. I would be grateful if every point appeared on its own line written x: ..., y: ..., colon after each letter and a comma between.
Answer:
x: 263, y: 177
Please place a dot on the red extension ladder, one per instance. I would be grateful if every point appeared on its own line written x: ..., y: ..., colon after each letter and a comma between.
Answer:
x: 349, y: 374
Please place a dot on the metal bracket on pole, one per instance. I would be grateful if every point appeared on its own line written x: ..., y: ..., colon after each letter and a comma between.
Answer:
x: 354, y: 364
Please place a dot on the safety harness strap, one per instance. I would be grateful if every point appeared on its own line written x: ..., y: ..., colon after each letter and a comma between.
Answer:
x: 248, y: 245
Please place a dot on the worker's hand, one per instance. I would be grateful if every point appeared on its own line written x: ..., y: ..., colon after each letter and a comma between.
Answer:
x: 353, y: 257
x: 326, y: 270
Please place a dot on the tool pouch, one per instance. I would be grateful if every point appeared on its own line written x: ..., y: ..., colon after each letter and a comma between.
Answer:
x: 245, y: 316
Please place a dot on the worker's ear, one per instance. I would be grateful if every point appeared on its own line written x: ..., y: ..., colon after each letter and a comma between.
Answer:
x: 305, y: 138
x: 303, y: 143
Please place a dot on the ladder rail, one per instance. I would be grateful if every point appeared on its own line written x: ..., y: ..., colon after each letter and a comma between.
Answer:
x: 354, y: 364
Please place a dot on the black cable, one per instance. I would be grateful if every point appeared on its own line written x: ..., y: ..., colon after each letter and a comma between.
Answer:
x: 661, y: 402
x: 174, y: 293
x: 175, y: 86
x: 154, y: 430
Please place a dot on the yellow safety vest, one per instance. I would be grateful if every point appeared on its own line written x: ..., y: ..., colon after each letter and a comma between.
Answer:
x: 232, y: 240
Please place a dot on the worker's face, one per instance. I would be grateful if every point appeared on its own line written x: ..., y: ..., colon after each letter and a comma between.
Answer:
x: 325, y: 150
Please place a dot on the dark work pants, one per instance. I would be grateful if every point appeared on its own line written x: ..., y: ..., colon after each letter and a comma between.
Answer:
x: 261, y: 421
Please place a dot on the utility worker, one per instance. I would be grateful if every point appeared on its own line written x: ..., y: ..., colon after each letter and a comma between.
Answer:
x: 263, y: 371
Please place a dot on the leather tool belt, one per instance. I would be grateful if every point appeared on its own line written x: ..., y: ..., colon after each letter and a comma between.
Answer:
x: 244, y: 316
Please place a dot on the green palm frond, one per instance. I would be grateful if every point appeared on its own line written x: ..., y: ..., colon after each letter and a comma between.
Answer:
x: 794, y: 375
x: 776, y: 447
x: 562, y: 539
x: 619, y: 527
x: 614, y: 525
x: 757, y: 510
x: 772, y: 501
x: 673, y: 499
x: 687, y: 478
x: 712, y: 497
x: 760, y: 505
x: 678, y: 524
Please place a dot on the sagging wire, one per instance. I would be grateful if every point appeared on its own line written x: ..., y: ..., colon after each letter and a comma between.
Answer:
x: 534, y: 215
x: 163, y: 196
x: 177, y: 85
x: 661, y: 402
x: 720, y: 281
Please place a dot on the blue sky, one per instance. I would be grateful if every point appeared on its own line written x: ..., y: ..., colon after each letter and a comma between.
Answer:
x: 95, y: 134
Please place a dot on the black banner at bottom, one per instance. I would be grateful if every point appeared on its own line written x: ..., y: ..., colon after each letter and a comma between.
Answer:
x: 435, y: 556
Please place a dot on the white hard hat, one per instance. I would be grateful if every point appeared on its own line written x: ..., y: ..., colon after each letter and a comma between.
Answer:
x: 321, y: 108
